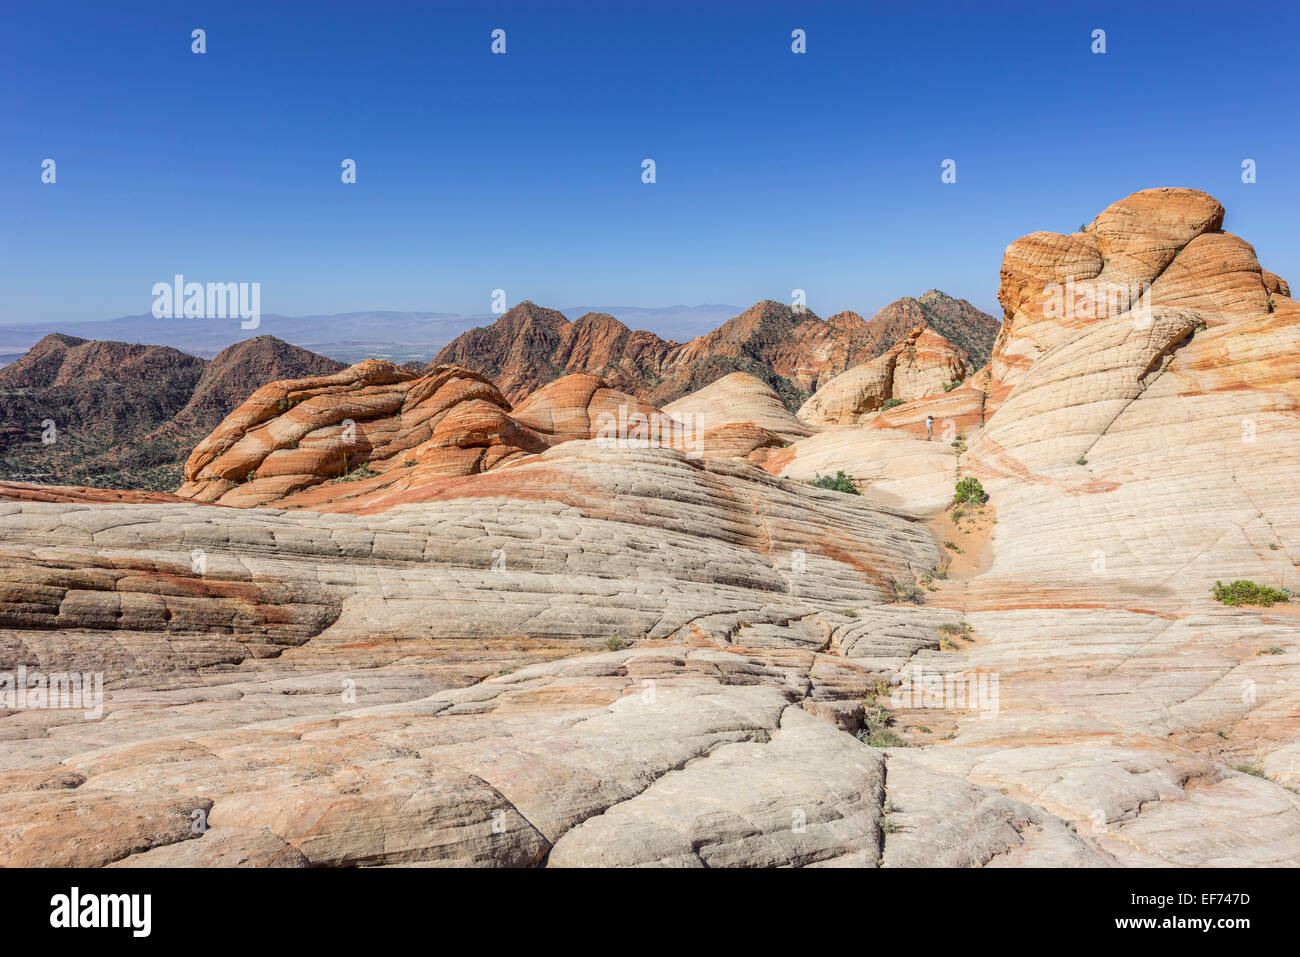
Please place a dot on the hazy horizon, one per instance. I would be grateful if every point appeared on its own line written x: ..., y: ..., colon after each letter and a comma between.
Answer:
x: 401, y: 335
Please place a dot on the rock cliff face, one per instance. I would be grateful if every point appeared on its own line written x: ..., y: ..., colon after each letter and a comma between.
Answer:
x: 920, y: 364
x: 791, y: 350
x: 581, y: 653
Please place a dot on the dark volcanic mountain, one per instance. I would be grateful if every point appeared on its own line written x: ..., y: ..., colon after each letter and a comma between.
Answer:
x: 116, y: 415
x: 790, y: 350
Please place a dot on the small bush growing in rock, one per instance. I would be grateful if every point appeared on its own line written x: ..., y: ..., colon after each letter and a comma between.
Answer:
x: 876, y: 732
x: 1243, y: 592
x: 614, y: 643
x: 362, y: 471
x: 840, y: 483
x: 889, y: 404
x: 969, y: 489
x: 905, y: 590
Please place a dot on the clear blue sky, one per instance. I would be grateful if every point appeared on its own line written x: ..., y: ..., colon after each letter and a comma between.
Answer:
x: 522, y: 171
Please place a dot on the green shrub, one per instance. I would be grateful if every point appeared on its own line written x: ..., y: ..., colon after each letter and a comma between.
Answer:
x: 1242, y: 592
x: 889, y: 404
x: 614, y: 643
x: 840, y: 483
x: 906, y: 591
x: 876, y: 732
x: 969, y: 489
x: 362, y: 471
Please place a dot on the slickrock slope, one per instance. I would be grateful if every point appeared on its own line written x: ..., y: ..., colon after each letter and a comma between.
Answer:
x: 312, y: 685
x: 579, y: 406
x: 31, y: 492
x: 729, y: 419
x: 1134, y: 458
x: 1139, y: 458
x: 87, y: 412
x: 920, y: 364
x: 740, y: 398
x: 892, y: 467
x: 597, y: 655
x: 789, y: 349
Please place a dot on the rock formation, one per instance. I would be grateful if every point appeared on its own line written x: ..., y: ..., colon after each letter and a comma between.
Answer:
x: 582, y: 654
x: 740, y: 398
x: 920, y: 364
x: 371, y: 424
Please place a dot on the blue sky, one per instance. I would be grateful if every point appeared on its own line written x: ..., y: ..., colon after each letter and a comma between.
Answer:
x: 775, y: 171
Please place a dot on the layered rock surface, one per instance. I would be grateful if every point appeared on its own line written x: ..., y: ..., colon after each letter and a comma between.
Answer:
x: 920, y: 364
x: 616, y: 655
x: 359, y: 425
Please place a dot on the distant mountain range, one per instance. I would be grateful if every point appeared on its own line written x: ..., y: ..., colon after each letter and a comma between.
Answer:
x: 350, y: 337
x: 117, y: 415
x: 790, y: 349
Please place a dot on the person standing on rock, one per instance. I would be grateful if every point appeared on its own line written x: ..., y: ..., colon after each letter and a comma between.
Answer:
x: 929, y: 427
